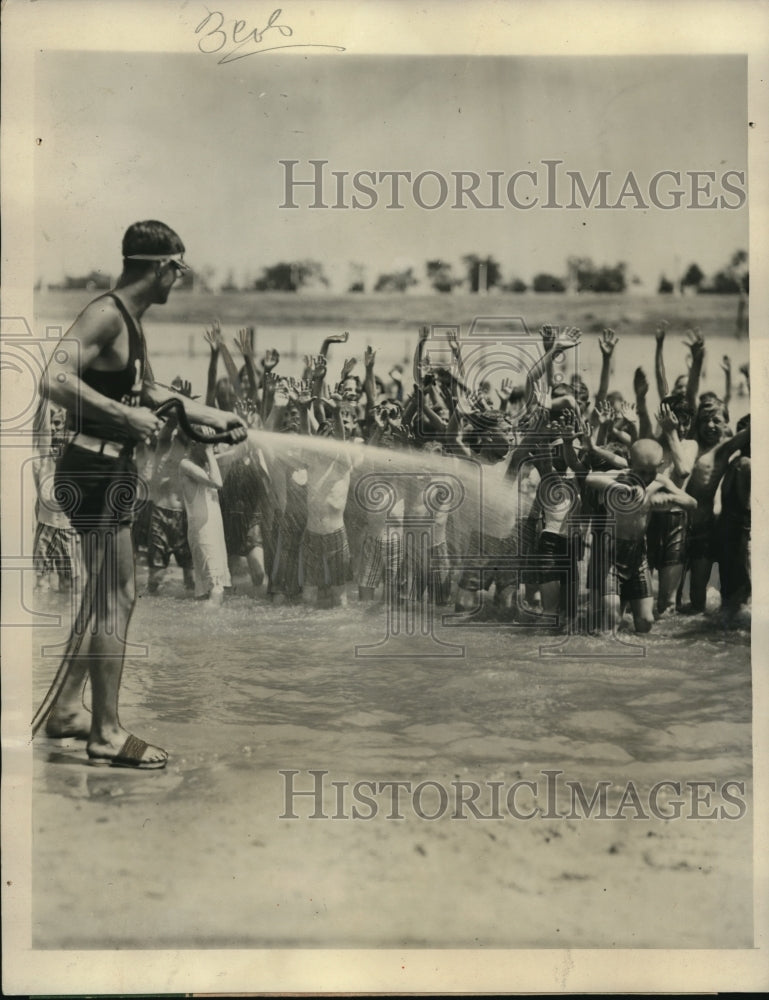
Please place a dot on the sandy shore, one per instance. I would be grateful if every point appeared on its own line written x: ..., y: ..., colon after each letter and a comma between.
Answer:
x: 197, y: 856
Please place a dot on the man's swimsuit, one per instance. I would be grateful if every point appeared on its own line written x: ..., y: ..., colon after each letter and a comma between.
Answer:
x: 98, y: 490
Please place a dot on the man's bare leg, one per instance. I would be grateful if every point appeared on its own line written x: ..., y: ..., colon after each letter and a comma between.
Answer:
x: 107, y: 650
x: 69, y: 718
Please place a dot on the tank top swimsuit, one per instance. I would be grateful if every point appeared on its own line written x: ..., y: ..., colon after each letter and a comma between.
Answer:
x: 124, y: 385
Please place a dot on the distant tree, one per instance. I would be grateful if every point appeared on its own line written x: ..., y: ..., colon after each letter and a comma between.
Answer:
x: 289, y: 277
x: 665, y: 287
x: 472, y: 263
x: 585, y: 276
x: 722, y: 283
x: 93, y: 281
x: 229, y: 283
x: 548, y: 283
x: 693, y: 277
x: 440, y: 277
x: 356, y: 281
x: 396, y: 281
x: 516, y: 285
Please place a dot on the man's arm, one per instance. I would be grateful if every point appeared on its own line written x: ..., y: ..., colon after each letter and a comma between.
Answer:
x: 95, y: 330
x: 198, y: 413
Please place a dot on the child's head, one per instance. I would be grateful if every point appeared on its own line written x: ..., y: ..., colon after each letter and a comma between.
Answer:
x: 225, y: 394
x: 645, y: 458
x: 615, y: 400
x: 681, y: 411
x: 710, y: 424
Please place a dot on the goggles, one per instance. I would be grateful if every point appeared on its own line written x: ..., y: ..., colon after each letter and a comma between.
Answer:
x: 177, y: 259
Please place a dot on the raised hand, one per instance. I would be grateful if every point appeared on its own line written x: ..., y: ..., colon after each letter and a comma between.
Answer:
x: 695, y: 342
x: 347, y: 367
x: 726, y: 364
x: 640, y: 383
x: 605, y: 412
x: 506, y: 389
x: 302, y: 394
x: 213, y: 336
x: 243, y: 340
x: 662, y: 329
x: 270, y: 359
x: 317, y: 365
x: 569, y: 337
x: 607, y: 342
x: 667, y: 420
x: 549, y: 334
x: 453, y: 340
x: 184, y: 387
x: 338, y: 338
x: 479, y: 400
x: 628, y: 411
x: 369, y: 357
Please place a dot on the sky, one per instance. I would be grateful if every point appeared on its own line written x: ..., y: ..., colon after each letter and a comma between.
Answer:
x: 128, y: 136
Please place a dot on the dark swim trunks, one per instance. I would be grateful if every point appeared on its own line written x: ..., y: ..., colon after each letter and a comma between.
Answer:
x: 703, y: 541
x: 666, y: 538
x: 167, y: 537
x: 627, y: 570
x: 96, y: 492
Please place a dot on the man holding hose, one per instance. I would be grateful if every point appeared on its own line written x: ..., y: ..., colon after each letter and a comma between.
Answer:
x: 101, y: 375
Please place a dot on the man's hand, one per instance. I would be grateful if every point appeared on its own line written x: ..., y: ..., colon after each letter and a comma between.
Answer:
x: 338, y: 338
x: 607, y: 342
x: 368, y: 358
x: 228, y: 421
x: 270, y: 359
x: 347, y: 367
x: 695, y: 342
x: 662, y: 329
x: 141, y: 423
x: 726, y: 364
x: 640, y: 383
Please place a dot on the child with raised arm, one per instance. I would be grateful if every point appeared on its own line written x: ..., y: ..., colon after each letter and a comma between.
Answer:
x: 627, y: 499
x: 734, y: 531
x: 667, y: 531
x: 201, y: 482
x: 326, y: 552
x: 714, y: 449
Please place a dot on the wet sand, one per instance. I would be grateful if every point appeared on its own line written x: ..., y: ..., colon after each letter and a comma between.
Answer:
x: 197, y: 856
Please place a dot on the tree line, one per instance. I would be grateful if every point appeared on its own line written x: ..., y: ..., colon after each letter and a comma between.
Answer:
x: 478, y: 274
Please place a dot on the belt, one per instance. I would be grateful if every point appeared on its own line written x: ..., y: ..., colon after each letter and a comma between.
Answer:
x: 110, y: 448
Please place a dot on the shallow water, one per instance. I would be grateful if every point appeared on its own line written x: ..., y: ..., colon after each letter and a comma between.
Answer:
x: 198, y: 856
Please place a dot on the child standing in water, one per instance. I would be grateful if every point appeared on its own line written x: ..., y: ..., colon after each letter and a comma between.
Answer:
x: 201, y: 482
x: 620, y: 571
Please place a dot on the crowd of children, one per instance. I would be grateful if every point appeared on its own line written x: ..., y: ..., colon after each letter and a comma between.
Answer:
x: 585, y: 507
